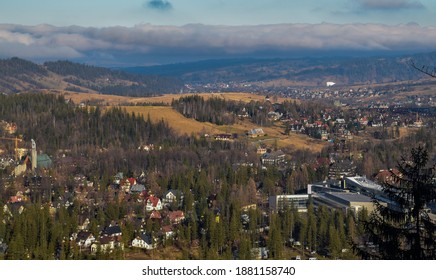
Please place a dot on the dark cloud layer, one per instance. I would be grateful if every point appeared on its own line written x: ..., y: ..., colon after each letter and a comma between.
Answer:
x: 202, y: 41
x: 390, y: 4
x: 159, y: 5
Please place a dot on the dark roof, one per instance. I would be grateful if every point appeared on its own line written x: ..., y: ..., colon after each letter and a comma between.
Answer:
x: 83, y: 235
x: 146, y: 237
x: 352, y: 197
x: 111, y: 230
x: 273, y: 155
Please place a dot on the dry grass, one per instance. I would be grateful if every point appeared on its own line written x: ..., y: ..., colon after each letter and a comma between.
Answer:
x: 166, y: 98
x: 174, y: 119
x: 184, y: 125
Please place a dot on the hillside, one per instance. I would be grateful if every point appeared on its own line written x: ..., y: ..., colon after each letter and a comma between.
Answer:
x: 302, y: 71
x: 18, y: 75
x: 183, y: 125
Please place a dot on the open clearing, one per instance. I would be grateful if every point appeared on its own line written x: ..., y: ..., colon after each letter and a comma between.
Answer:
x: 174, y: 119
x: 184, y: 125
x: 105, y: 99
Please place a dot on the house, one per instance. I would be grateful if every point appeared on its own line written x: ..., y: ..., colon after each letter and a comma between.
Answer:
x: 388, y: 176
x: 137, y: 189
x: 153, y: 203
x: 261, y: 150
x: 106, y: 244
x: 113, y: 230
x: 155, y: 215
x: 172, y: 196
x: 256, y: 132
x: 223, y: 137
x: 176, y: 217
x: 273, y: 158
x: 85, y: 239
x: 146, y: 148
x: 275, y: 115
x: 143, y: 241
x: 85, y: 224
x: 44, y: 161
x: 168, y: 231
x: 340, y: 121
x: 118, y: 177
x: 131, y: 181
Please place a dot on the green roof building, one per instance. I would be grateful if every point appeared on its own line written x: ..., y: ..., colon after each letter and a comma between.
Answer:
x: 44, y: 161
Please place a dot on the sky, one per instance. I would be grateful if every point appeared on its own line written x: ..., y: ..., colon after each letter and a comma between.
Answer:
x: 149, y: 32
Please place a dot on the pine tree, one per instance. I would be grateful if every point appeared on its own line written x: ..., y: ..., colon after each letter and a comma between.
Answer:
x: 403, y: 229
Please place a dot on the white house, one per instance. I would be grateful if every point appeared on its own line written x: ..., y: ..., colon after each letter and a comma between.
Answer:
x: 153, y: 203
x: 85, y: 239
x: 143, y: 241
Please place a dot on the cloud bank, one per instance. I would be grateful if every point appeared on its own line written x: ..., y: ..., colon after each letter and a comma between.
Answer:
x: 144, y: 42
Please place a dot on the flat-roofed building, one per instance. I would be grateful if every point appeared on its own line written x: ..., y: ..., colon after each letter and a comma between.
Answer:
x: 346, y: 201
x: 285, y: 201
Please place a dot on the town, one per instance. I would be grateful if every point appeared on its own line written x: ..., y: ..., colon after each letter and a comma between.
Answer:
x: 128, y: 188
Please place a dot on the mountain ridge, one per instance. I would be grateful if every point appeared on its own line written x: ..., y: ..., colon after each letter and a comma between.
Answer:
x: 18, y: 75
x: 345, y: 70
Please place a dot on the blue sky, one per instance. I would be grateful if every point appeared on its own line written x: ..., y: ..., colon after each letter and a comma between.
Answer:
x: 111, y: 32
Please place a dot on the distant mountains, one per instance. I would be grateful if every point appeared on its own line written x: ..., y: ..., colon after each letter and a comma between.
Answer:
x: 18, y: 75
x: 314, y: 71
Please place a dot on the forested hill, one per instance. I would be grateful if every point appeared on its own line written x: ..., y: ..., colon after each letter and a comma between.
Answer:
x: 316, y: 71
x: 18, y: 75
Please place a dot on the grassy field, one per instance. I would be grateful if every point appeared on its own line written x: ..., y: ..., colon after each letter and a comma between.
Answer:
x: 166, y: 98
x: 184, y: 125
x: 190, y: 126
x: 174, y: 119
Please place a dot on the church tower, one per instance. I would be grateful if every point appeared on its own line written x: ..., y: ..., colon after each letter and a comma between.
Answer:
x: 34, y: 155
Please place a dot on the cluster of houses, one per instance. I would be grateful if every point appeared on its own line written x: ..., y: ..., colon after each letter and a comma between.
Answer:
x: 110, y: 238
x: 156, y: 209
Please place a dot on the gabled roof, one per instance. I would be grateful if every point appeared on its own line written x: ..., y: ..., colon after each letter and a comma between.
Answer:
x: 386, y: 176
x: 155, y: 215
x: 174, y: 192
x: 83, y: 235
x: 106, y: 240
x: 132, y: 181
x: 146, y: 237
x: 167, y: 229
x: 176, y: 215
x: 112, y: 230
x: 137, y: 188
x: 44, y: 161
x: 153, y: 200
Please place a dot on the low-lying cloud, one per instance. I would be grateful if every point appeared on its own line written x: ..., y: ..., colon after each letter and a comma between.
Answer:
x: 390, y: 4
x: 44, y: 42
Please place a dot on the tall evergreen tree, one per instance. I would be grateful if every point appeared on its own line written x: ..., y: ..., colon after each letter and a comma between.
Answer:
x: 403, y: 229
